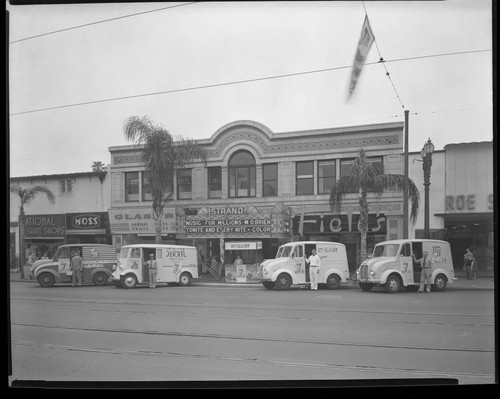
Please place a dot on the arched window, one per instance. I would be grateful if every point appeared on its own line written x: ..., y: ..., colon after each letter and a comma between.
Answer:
x: 242, y: 175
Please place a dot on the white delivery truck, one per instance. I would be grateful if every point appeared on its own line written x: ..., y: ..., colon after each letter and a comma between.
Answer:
x: 290, y: 266
x: 393, y: 267
x: 176, y: 264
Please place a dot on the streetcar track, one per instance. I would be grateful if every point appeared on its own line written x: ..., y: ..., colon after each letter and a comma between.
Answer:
x: 267, y: 308
x: 278, y: 340
x: 281, y: 363
x: 289, y: 318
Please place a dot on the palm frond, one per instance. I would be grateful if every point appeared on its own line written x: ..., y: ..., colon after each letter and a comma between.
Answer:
x: 338, y: 191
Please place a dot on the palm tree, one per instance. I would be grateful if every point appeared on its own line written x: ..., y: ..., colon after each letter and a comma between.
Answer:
x: 26, y: 196
x: 367, y: 177
x: 161, y: 155
x: 98, y: 166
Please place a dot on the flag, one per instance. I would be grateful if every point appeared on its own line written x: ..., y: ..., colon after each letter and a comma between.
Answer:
x: 365, y: 43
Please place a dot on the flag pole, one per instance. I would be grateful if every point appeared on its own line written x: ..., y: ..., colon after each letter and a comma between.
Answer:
x: 405, y: 191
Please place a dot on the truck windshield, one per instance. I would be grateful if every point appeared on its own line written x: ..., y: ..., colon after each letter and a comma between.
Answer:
x: 284, y: 252
x: 385, y: 250
x: 123, y: 252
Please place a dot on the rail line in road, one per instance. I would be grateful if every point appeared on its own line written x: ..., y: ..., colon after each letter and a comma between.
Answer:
x: 331, y: 311
x: 253, y: 361
x: 261, y: 339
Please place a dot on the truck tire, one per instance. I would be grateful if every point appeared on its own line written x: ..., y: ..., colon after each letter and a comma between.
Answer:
x: 46, y: 279
x: 100, y: 278
x: 440, y: 282
x: 184, y: 279
x: 283, y: 282
x: 129, y: 281
x: 333, y: 281
x: 393, y: 284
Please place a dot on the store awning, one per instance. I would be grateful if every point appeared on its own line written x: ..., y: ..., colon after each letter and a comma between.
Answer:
x: 466, y: 217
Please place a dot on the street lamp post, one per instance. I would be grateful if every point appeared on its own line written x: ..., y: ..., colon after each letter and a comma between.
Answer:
x: 426, y: 154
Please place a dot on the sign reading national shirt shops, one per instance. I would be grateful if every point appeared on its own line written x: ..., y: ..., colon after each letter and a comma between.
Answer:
x: 45, y: 226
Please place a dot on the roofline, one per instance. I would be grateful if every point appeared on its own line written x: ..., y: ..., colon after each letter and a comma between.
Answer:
x: 59, y: 175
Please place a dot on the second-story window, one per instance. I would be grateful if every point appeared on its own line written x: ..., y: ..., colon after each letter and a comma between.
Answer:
x: 326, y: 176
x: 131, y: 186
x: 270, y: 179
x: 304, y: 183
x: 146, y: 187
x: 184, y: 184
x: 215, y: 182
x: 66, y: 186
x: 242, y: 175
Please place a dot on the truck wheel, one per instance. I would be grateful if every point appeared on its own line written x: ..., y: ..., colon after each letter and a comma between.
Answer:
x: 366, y: 286
x: 100, y: 278
x: 46, y: 280
x: 129, y: 281
x: 268, y: 284
x: 333, y: 282
x: 440, y: 282
x: 283, y: 282
x: 393, y: 284
x: 184, y: 279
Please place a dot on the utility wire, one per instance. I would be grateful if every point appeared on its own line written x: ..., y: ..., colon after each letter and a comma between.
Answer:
x: 235, y: 82
x: 100, y: 22
x: 381, y: 59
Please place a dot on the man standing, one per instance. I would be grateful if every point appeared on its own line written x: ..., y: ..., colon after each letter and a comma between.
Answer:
x: 77, y: 266
x: 314, y: 268
x: 152, y: 270
x: 468, y: 263
x: 425, y: 275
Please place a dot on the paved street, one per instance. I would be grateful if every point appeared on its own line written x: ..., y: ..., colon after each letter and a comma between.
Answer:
x: 233, y: 333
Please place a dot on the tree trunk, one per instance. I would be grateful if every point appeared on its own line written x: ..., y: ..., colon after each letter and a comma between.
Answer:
x: 363, y: 223
x: 158, y: 229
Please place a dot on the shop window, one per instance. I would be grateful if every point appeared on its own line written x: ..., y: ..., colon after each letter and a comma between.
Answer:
x: 184, y: 184
x: 215, y: 182
x: 146, y: 187
x: 131, y: 186
x: 270, y: 179
x: 326, y: 176
x: 242, y: 175
x: 304, y: 177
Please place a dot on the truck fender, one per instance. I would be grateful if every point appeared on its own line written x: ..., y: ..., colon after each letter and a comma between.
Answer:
x: 334, y: 271
x: 278, y: 272
x: 103, y: 270
x: 440, y: 271
x: 386, y: 273
x: 56, y: 275
x: 130, y: 271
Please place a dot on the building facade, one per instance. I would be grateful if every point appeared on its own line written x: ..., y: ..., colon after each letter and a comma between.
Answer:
x: 78, y: 215
x: 260, y: 187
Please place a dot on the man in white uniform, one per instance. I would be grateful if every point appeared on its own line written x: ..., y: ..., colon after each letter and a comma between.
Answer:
x: 314, y: 268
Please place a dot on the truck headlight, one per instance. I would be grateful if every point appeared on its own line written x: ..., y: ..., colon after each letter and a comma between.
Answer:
x: 372, y: 272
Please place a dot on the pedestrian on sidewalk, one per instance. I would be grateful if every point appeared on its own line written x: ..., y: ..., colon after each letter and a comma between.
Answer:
x: 314, y: 262
x: 468, y: 263
x: 426, y: 272
x: 151, y: 263
x: 76, y: 267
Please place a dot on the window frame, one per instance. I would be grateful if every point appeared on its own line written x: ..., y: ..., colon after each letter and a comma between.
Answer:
x: 211, y: 183
x: 179, y: 183
x: 250, y: 170
x: 127, y: 194
x: 297, y: 178
x: 321, y: 179
x: 264, y: 180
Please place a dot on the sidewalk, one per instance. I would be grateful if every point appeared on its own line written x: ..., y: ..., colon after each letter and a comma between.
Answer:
x: 460, y: 283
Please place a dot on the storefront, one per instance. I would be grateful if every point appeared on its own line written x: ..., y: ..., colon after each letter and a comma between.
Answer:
x: 217, y: 230
x: 43, y: 235
x: 88, y: 228
x: 137, y: 226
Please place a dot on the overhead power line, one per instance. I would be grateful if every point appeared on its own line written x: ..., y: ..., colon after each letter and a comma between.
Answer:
x: 100, y: 22
x: 236, y: 82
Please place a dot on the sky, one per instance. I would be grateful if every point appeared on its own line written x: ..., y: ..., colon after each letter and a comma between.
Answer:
x: 78, y: 71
